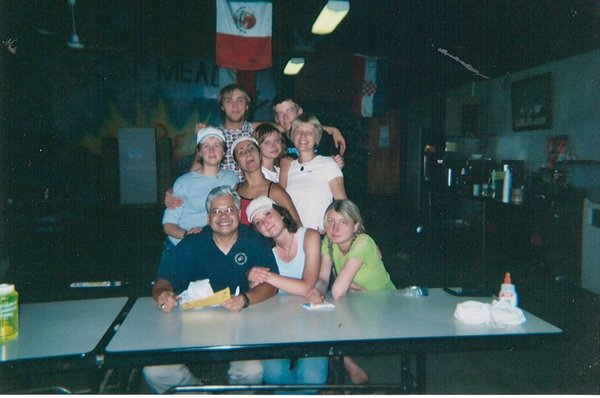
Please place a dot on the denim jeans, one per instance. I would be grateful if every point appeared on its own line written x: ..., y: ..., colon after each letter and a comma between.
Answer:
x: 313, y: 370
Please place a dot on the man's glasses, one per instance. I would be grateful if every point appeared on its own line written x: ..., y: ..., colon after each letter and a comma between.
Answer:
x: 228, y: 211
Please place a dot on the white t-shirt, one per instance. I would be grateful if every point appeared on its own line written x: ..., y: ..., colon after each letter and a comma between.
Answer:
x: 308, y: 186
x: 270, y: 174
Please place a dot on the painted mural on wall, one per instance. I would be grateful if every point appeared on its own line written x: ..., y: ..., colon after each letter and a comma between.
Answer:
x: 93, y: 96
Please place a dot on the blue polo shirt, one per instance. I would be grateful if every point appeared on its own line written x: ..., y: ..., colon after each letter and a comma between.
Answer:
x: 198, y: 257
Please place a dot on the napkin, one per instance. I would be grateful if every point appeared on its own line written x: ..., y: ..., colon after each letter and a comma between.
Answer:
x: 498, y: 312
x: 199, y: 294
x: 473, y: 312
x: 196, y: 290
x: 503, y: 312
x: 319, y: 307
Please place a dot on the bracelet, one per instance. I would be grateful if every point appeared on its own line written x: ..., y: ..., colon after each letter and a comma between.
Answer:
x: 184, y: 234
x: 246, y: 300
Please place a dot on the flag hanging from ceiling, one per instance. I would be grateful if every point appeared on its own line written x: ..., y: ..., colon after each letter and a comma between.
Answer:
x: 244, y: 34
x: 369, y: 85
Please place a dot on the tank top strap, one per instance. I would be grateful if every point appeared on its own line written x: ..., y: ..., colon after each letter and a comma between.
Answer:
x: 269, y: 190
x: 237, y: 189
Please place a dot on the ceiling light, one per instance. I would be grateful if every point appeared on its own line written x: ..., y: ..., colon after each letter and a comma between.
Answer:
x: 294, y: 66
x: 330, y: 17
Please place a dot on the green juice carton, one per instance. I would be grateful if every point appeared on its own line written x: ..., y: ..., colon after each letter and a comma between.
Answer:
x: 9, y: 312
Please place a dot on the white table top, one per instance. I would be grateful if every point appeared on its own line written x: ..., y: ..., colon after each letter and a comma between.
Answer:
x: 61, y: 328
x: 364, y: 316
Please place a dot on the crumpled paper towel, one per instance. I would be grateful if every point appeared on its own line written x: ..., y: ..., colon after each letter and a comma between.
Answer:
x: 504, y: 313
x: 196, y: 290
x: 498, y: 312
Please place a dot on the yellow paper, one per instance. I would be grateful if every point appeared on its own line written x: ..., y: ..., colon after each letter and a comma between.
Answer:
x: 216, y: 298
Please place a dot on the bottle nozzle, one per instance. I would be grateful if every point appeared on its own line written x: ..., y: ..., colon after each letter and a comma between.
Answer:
x: 507, y: 280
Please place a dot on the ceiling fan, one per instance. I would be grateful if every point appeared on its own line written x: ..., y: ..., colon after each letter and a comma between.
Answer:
x: 73, y: 41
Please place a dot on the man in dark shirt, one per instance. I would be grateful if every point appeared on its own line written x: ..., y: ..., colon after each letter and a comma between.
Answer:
x: 286, y: 109
x: 223, y: 253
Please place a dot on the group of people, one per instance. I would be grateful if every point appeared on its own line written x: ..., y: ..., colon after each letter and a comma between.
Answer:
x: 264, y: 208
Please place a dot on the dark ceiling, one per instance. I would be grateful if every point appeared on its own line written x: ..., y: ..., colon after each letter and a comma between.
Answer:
x: 428, y: 42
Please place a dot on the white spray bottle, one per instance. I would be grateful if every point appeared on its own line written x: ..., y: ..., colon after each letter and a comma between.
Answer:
x: 507, y: 184
x: 508, y: 291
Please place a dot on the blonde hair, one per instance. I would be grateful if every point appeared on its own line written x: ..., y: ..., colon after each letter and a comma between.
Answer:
x: 349, y: 212
x: 310, y: 119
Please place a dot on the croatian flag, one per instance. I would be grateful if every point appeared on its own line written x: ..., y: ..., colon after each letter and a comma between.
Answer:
x: 244, y: 34
x: 369, y: 85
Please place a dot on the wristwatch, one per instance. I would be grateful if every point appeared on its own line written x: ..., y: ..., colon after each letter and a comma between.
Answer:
x: 246, y: 300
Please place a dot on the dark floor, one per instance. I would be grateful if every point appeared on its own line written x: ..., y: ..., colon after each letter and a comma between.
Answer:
x: 94, y: 246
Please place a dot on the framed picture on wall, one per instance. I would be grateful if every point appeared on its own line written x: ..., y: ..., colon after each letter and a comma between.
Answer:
x: 531, y: 100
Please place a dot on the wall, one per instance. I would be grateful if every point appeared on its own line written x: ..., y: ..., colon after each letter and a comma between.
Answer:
x: 67, y: 106
x: 93, y: 95
x: 576, y: 113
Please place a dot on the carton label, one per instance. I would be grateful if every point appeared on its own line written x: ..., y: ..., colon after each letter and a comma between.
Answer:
x: 8, y: 308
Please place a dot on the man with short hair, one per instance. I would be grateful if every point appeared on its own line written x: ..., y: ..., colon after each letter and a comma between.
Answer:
x: 235, y: 104
x: 223, y: 253
x: 286, y: 109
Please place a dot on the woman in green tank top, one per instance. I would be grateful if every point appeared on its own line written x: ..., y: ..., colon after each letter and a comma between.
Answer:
x: 355, y: 261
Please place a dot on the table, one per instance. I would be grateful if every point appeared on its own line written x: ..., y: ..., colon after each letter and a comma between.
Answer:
x: 61, y: 330
x: 361, y: 324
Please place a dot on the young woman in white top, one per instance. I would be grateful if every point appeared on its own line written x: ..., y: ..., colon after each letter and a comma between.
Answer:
x: 313, y: 181
x: 297, y: 252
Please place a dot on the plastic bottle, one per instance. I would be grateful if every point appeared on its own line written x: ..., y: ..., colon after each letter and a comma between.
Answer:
x: 508, y: 291
x: 9, y: 312
x: 495, y: 185
x: 507, y: 184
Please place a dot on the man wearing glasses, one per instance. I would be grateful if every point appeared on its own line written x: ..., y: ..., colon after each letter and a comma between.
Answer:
x: 223, y: 253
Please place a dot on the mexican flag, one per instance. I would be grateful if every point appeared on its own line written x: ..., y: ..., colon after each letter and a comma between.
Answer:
x: 244, y: 34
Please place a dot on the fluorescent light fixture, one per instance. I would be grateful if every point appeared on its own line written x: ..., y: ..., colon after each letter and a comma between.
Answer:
x: 294, y: 66
x: 330, y: 17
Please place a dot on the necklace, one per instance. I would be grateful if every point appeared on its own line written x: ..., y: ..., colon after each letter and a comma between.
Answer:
x: 287, y: 251
x: 305, y: 163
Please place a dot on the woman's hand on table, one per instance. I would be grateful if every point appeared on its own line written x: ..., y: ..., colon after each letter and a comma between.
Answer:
x: 315, y: 296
